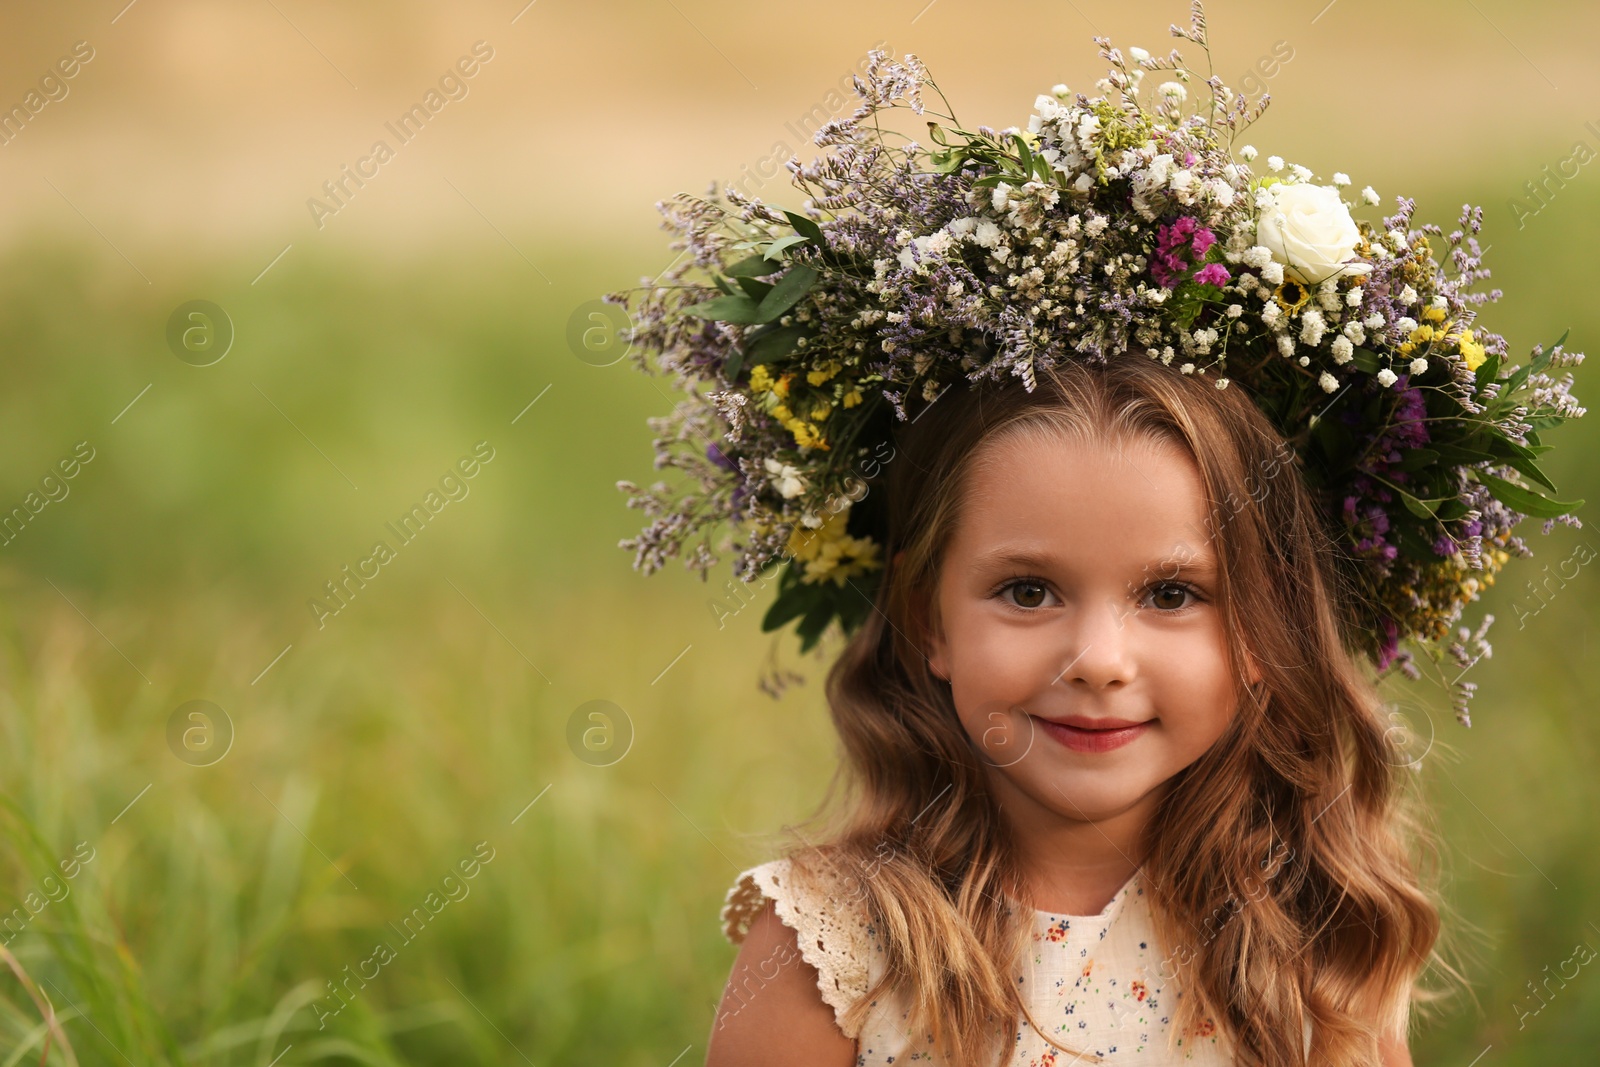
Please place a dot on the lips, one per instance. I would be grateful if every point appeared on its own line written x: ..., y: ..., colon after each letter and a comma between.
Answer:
x: 1082, y: 734
x: 1083, y: 722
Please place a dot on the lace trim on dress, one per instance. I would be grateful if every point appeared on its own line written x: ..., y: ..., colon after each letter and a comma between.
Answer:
x: 832, y: 935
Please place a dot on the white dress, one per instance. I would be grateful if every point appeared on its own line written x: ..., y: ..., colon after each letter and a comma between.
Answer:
x: 1093, y: 982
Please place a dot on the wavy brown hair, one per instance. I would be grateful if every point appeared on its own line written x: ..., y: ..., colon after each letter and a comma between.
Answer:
x: 1336, y: 935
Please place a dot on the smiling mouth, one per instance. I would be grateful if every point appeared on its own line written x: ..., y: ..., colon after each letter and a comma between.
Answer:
x: 1085, y: 739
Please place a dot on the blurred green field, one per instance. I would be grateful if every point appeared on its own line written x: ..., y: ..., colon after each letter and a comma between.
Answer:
x: 377, y: 751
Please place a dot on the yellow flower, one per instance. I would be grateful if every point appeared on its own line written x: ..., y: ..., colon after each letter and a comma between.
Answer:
x: 852, y: 398
x: 824, y: 372
x: 829, y: 552
x: 1433, y: 314
x: 1471, y: 351
x: 806, y: 436
x: 781, y: 387
x: 760, y: 380
x: 820, y: 412
x: 1292, y: 296
x: 1423, y: 333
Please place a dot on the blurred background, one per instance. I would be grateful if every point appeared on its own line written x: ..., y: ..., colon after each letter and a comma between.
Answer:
x: 233, y: 369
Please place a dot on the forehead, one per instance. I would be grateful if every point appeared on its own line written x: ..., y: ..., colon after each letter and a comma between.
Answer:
x: 1117, y: 501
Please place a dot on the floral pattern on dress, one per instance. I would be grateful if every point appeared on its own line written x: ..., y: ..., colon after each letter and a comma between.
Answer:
x: 1094, y: 983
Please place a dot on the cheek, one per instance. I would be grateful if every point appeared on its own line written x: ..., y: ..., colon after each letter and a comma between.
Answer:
x: 996, y: 672
x: 1196, y: 692
x: 990, y: 661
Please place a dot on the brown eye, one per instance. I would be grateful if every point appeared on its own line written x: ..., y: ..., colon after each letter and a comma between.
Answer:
x: 1025, y: 590
x: 1163, y: 594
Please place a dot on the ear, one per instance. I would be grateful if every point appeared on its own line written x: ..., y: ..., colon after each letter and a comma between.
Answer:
x: 1252, y: 671
x: 931, y: 634
x: 938, y: 656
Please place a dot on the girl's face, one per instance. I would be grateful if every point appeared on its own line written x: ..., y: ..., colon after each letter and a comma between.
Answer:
x: 1078, y: 593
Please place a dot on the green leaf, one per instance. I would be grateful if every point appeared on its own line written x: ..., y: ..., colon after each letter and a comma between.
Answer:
x: 1499, y: 445
x: 784, y: 242
x: 1544, y: 422
x: 1459, y: 455
x: 1542, y: 360
x: 1531, y: 470
x: 1517, y: 378
x: 787, y: 292
x: 806, y: 228
x: 814, y: 624
x: 768, y: 343
x: 1422, y: 509
x: 1486, y: 371
x: 736, y: 309
x: 751, y: 267
x: 755, y: 290
x: 791, y: 602
x: 1024, y: 151
x: 1412, y: 543
x: 1525, y: 500
x: 1417, y: 458
x: 1521, y: 458
x: 1365, y: 360
x: 1188, y: 299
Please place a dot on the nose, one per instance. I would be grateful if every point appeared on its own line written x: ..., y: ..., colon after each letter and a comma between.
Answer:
x: 1097, y: 649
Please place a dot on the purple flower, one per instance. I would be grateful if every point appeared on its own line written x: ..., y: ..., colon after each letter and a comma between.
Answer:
x: 1391, y: 643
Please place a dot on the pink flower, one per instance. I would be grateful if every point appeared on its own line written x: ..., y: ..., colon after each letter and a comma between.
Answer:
x: 1169, y: 264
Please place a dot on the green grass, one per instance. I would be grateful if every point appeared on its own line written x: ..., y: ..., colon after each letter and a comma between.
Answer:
x: 425, y: 717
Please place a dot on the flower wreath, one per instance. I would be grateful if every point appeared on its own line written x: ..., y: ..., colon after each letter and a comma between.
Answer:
x: 1119, y: 223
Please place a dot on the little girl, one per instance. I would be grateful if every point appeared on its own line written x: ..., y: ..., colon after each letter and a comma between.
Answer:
x: 1120, y: 791
x: 1122, y: 463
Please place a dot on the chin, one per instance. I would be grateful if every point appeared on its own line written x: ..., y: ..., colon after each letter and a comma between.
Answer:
x: 1087, y: 799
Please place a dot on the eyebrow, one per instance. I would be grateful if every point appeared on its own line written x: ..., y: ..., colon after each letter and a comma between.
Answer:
x: 1199, y: 564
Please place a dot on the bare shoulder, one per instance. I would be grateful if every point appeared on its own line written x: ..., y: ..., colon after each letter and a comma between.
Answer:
x: 772, y: 1012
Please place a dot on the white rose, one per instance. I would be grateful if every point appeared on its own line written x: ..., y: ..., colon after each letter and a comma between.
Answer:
x: 1309, y: 230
